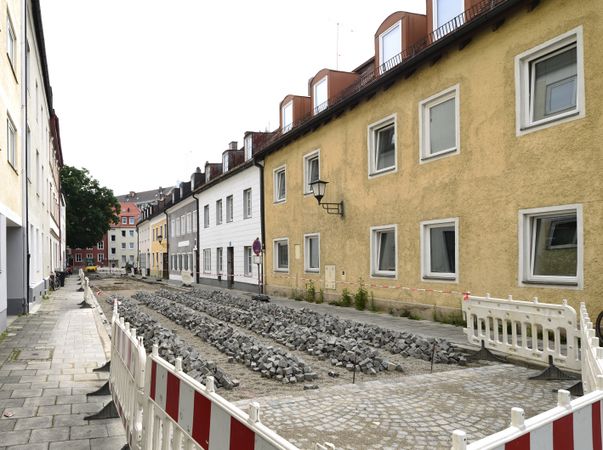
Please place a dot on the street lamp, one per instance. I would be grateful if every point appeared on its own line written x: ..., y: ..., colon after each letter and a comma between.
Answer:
x: 159, y: 238
x: 318, y: 188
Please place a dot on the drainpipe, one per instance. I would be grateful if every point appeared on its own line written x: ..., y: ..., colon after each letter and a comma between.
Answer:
x: 25, y: 191
x: 167, y: 242
x: 197, y: 258
x: 260, y: 166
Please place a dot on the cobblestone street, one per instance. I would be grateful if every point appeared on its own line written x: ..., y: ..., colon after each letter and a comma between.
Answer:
x: 418, y: 413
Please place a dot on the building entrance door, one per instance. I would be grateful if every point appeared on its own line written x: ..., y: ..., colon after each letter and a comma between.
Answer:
x: 230, y: 266
x: 166, y: 267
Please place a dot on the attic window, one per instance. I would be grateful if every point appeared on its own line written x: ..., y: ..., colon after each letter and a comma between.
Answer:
x: 225, y: 163
x: 248, y: 147
x: 446, y: 10
x: 390, y: 47
x: 321, y: 96
x: 287, y: 114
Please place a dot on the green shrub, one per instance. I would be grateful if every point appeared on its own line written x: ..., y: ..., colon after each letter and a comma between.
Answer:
x: 346, y: 298
x: 321, y: 296
x: 310, y: 292
x: 361, y: 297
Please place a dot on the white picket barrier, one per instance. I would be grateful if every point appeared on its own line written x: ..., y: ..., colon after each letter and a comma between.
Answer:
x: 182, y: 413
x: 127, y: 377
x: 591, y: 354
x: 110, y: 271
x: 528, y: 330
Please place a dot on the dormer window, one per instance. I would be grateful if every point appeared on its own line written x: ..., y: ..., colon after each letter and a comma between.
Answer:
x: 248, y: 147
x: 321, y: 96
x: 390, y: 47
x: 446, y: 10
x: 287, y: 116
x: 225, y: 163
x: 207, y: 174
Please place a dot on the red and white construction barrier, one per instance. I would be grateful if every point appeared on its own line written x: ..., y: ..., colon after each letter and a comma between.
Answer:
x: 182, y: 413
x: 575, y: 425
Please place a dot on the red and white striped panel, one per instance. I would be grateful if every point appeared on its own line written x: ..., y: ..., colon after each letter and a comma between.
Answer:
x: 580, y: 430
x: 204, y: 421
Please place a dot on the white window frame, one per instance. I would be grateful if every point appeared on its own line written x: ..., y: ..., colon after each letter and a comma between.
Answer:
x: 425, y: 242
x: 219, y: 260
x: 195, y: 221
x: 100, y: 257
x: 247, y: 261
x: 219, y: 212
x: 131, y: 220
x: 229, y: 208
x: 374, y: 247
x: 124, y: 220
x: 424, y: 137
x: 373, y: 128
x: 523, y: 83
x: 78, y: 257
x: 189, y: 222
x: 248, y: 147
x: 131, y: 246
x: 381, y: 62
x: 307, y: 267
x: 11, y: 143
x: 324, y: 105
x: 287, y: 126
x: 225, y: 163
x: 100, y: 245
x: 207, y: 260
x: 206, y: 216
x: 247, y: 203
x: 435, y: 17
x: 276, y: 172
x: 11, y: 43
x: 525, y: 237
x: 307, y: 158
x: 275, y: 243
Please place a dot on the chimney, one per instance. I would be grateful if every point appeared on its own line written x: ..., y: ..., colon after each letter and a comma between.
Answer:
x: 160, y: 192
x: 196, y: 178
x: 132, y: 194
x: 232, y: 145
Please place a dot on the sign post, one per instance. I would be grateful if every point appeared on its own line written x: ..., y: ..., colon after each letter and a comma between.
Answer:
x: 257, y: 249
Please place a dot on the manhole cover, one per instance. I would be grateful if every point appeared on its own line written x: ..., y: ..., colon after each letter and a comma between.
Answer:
x: 34, y: 354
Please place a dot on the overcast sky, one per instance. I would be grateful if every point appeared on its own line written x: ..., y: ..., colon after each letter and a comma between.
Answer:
x: 147, y: 90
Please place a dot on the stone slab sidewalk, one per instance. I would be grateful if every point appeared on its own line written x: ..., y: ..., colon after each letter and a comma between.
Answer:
x: 46, y: 369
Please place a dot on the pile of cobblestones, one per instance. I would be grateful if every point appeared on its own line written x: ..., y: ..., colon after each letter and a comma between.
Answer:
x: 170, y: 346
x: 280, y: 322
x: 344, y: 352
x: 271, y: 362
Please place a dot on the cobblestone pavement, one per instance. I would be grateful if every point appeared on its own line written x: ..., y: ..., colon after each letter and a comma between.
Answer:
x: 46, y: 363
x: 418, y: 413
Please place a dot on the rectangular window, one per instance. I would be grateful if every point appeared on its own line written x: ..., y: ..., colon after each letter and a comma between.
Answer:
x: 206, y: 216
x: 177, y: 230
x: 446, y: 10
x: 123, y: 245
x: 247, y: 203
x: 383, y: 251
x: 123, y: 233
x: 551, y: 245
x: 78, y: 257
x: 131, y: 245
x: 11, y: 43
x: 185, y: 261
x: 248, y: 147
x: 225, y: 163
x: 11, y: 143
x: 100, y: 257
x: 281, y: 255
x: 183, y: 224
x: 89, y: 256
x: 382, y: 146
x: 195, y: 221
x: 100, y: 245
x: 207, y: 260
x: 179, y: 262
x: 131, y: 258
x: 280, y: 184
x: 189, y: 224
x: 124, y: 220
x: 311, y: 170
x: 390, y: 47
x: 218, y: 212
x: 229, y: 208
x: 173, y: 224
x: 321, y: 95
x: 549, y: 82
x: 312, y: 252
x: 287, y: 116
x: 439, y: 124
x: 131, y: 233
x: 247, y: 261
x: 113, y: 250
x: 131, y: 220
x: 219, y: 259
x: 439, y: 249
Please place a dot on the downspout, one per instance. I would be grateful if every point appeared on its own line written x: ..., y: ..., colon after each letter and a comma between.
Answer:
x: 197, y: 258
x: 260, y: 166
x: 24, y: 104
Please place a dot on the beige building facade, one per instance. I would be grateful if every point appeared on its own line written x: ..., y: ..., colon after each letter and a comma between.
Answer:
x: 471, y: 165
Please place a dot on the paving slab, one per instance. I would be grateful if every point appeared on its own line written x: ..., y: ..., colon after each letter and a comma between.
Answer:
x: 46, y: 363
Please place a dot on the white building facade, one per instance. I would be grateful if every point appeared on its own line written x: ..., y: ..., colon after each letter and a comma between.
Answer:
x: 229, y: 222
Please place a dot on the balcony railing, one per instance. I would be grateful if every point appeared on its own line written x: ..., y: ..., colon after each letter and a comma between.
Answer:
x: 369, y: 77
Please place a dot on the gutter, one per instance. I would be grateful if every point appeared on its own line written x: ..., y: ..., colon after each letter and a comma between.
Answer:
x: 260, y: 166
x: 24, y: 104
x: 167, y: 242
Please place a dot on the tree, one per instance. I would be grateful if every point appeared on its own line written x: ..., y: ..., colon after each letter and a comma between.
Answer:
x: 91, y: 208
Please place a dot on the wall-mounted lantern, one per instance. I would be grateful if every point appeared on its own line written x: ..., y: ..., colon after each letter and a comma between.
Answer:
x: 318, y: 188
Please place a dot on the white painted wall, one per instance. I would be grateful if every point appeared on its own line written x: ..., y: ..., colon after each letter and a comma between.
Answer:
x: 238, y: 233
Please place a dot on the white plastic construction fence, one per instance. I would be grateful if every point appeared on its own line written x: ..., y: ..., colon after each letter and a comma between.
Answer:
x: 161, y: 407
x: 528, y: 330
x: 571, y: 425
x: 111, y: 271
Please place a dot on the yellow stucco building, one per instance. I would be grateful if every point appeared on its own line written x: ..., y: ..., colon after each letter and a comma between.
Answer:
x: 159, y: 243
x: 468, y: 158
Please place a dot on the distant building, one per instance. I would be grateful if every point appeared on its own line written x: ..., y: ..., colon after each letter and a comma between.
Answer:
x: 123, y: 237
x: 93, y: 256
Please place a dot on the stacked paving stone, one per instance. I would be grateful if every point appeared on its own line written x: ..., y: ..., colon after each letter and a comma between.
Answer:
x: 171, y: 347
x: 342, y: 352
x: 271, y: 362
x: 265, y: 317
